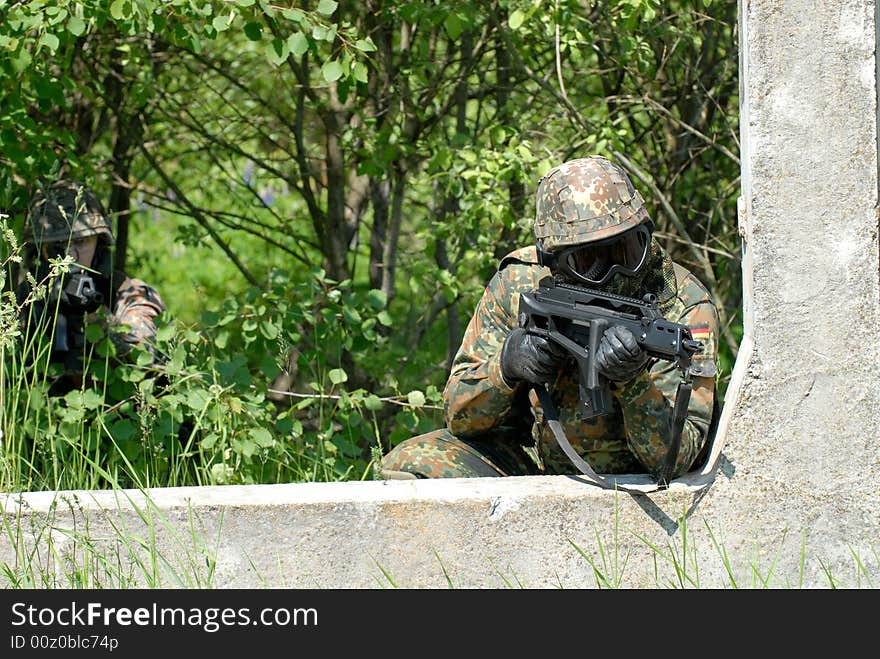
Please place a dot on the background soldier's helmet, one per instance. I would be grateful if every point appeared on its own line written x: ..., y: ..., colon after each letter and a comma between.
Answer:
x: 583, y: 201
x: 63, y: 211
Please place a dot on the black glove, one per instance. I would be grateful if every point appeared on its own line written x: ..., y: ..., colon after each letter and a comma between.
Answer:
x: 531, y: 358
x: 619, y: 357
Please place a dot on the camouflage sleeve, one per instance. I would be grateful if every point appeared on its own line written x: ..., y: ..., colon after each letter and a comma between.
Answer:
x: 137, y: 306
x: 647, y: 401
x: 476, y: 397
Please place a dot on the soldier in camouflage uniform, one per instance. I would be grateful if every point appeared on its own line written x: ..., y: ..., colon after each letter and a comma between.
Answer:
x: 67, y: 218
x: 592, y: 229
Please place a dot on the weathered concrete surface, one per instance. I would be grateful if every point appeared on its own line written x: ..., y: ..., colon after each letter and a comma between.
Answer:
x: 804, y: 435
x: 470, y: 533
x: 791, y: 499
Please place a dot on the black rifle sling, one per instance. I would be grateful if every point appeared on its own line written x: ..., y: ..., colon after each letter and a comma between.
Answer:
x: 552, y: 419
x: 679, y: 414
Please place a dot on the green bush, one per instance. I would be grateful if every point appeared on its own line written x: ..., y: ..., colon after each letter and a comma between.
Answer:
x: 202, y: 413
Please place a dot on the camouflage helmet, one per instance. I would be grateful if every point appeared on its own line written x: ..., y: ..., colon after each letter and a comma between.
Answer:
x: 66, y: 210
x: 585, y: 200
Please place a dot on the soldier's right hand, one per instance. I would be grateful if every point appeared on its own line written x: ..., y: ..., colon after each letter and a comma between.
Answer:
x: 531, y: 358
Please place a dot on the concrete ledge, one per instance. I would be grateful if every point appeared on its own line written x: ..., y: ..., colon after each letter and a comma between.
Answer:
x: 533, y: 532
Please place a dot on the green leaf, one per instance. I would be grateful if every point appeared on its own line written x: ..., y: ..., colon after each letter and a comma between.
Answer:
x: 106, y: 348
x: 92, y: 400
x: 197, y: 399
x: 220, y: 473
x: 221, y: 23
x: 74, y: 398
x: 319, y: 32
x: 76, y: 26
x: 268, y: 329
x: 117, y: 9
x: 208, y: 441
x: 262, y: 437
x: 165, y: 333
x: 143, y: 358
x: 372, y: 402
x: 365, y: 45
x: 175, y: 366
x: 253, y: 31
x: 516, y: 19
x: 331, y: 70
x: 21, y: 61
x: 248, y: 448
x: 134, y: 376
x: 327, y: 7
x: 94, y: 333
x: 210, y: 318
x: 546, y: 165
x: 415, y: 398
x: 454, y: 25
x: 298, y: 43
x: 122, y: 430
x: 360, y: 72
x: 50, y: 41
x: 377, y: 298
x: 146, y: 385
x: 338, y: 376
x: 351, y: 314
x: 277, y: 51
x: 385, y: 318
x: 294, y: 15
x: 304, y: 403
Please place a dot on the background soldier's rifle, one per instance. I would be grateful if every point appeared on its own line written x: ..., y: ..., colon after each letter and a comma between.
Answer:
x: 71, y: 296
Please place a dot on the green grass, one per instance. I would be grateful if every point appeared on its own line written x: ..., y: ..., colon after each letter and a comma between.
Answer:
x: 49, y: 555
x: 76, y: 442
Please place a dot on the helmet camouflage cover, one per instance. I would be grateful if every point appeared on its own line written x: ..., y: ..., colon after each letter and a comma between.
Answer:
x: 585, y: 200
x: 64, y: 211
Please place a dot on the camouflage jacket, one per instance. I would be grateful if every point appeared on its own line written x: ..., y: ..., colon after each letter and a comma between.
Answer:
x: 135, y: 305
x: 635, y: 435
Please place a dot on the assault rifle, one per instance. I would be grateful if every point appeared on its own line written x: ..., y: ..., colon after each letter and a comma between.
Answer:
x: 71, y: 296
x: 575, y: 317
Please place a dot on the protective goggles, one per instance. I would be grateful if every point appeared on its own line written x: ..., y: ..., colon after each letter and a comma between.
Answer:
x: 596, y: 263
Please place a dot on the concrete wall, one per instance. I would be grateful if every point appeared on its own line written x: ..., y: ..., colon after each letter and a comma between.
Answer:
x: 787, y: 496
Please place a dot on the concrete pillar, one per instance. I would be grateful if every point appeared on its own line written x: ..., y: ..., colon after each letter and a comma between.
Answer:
x: 788, y: 496
x: 803, y: 432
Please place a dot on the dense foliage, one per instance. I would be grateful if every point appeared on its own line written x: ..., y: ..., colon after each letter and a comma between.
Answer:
x: 320, y: 191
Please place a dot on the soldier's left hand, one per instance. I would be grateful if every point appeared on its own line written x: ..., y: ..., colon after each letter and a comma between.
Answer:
x: 619, y: 357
